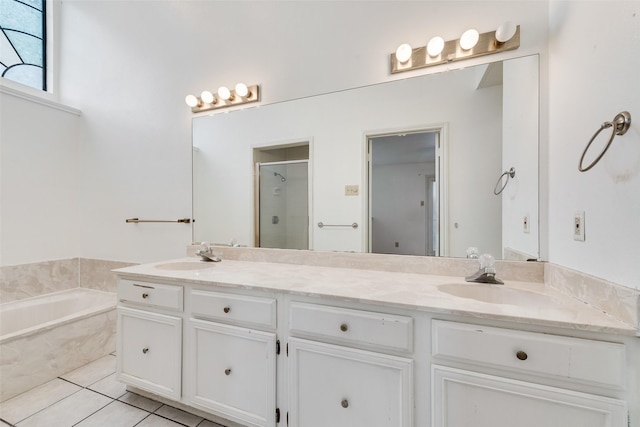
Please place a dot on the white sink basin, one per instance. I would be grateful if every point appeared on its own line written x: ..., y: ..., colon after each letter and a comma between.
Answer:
x: 185, y: 265
x: 495, y: 294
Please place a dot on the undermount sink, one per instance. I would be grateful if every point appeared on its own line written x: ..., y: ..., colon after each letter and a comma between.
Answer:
x: 494, y: 294
x: 185, y: 265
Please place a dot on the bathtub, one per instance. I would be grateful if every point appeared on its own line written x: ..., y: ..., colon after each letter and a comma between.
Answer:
x: 46, y: 336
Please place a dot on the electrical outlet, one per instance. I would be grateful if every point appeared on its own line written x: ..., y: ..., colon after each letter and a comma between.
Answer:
x: 351, y: 190
x: 526, y: 227
x: 578, y: 226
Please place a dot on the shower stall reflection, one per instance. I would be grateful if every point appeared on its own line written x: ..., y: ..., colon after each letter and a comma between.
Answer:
x: 283, y: 207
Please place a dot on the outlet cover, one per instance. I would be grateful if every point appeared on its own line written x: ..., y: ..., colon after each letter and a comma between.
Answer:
x: 351, y: 190
x: 578, y: 226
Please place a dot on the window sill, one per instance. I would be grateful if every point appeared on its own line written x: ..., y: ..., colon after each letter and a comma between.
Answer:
x: 33, y: 95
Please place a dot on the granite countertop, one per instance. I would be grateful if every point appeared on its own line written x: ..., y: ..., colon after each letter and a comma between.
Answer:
x: 515, y: 301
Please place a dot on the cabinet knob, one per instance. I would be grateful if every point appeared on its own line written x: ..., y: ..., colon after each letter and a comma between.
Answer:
x: 344, y: 403
x: 226, y: 309
x: 145, y: 295
x: 344, y: 327
x: 227, y: 372
x: 145, y: 350
x: 521, y: 355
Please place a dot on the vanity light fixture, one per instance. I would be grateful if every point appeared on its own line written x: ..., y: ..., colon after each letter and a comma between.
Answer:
x: 470, y: 45
x: 224, y: 97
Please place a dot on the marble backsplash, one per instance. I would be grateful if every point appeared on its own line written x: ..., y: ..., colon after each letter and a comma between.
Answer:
x: 28, y: 280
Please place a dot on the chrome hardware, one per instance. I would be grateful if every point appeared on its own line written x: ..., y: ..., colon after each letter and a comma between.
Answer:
x: 206, y: 253
x: 145, y: 350
x: 145, y: 295
x: 521, y: 355
x: 620, y: 125
x: 227, y: 372
x: 137, y: 220
x: 486, y: 273
x: 226, y: 309
x: 322, y: 224
x: 344, y: 327
x: 511, y: 173
x: 344, y: 403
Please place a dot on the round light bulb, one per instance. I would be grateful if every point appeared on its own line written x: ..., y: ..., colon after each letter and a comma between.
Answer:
x: 469, y: 39
x: 224, y: 93
x: 207, y: 97
x: 242, y: 90
x: 435, y: 46
x: 191, y: 101
x: 506, y: 31
x: 403, y: 53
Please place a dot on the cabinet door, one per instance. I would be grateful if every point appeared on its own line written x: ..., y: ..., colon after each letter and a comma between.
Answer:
x: 149, y: 351
x: 469, y: 399
x: 232, y: 372
x: 341, y: 387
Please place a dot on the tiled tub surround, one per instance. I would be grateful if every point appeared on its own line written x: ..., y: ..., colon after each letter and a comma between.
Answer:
x: 56, y: 316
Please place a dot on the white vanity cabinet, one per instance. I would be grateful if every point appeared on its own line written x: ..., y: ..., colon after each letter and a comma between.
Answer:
x: 230, y: 364
x: 149, y: 343
x: 465, y: 394
x: 334, y: 381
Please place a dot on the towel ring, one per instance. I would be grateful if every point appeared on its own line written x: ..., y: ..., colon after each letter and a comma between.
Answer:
x: 510, y: 174
x: 620, y: 125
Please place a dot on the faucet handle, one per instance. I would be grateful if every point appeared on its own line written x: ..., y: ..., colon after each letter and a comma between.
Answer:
x: 486, y: 261
x: 204, y: 247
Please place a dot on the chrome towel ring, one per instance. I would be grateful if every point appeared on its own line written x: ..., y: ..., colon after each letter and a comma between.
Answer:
x: 620, y: 125
x: 510, y: 174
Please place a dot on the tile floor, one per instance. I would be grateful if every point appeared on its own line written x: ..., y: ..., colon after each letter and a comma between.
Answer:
x: 91, y: 397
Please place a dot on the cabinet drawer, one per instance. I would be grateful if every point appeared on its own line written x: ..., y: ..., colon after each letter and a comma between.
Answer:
x: 150, y: 294
x: 354, y: 327
x: 597, y: 362
x: 246, y: 310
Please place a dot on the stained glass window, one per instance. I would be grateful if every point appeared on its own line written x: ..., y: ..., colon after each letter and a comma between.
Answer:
x: 23, y: 55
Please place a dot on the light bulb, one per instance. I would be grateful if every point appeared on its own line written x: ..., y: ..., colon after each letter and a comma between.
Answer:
x: 435, y: 46
x: 469, y: 39
x: 242, y: 90
x: 207, y: 97
x: 224, y: 93
x: 403, y: 53
x: 505, y: 31
x: 192, y: 101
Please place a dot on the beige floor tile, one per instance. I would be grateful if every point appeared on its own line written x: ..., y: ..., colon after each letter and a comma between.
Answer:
x: 140, y: 402
x: 156, y: 421
x: 37, y: 399
x: 109, y: 386
x: 3, y: 424
x: 92, y: 372
x: 69, y: 411
x: 115, y: 414
x: 179, y: 416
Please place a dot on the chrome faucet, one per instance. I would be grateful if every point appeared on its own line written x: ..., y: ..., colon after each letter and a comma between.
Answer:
x: 486, y: 273
x: 206, y: 253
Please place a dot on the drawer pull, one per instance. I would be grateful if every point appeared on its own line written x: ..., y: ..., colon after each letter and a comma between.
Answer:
x: 227, y: 371
x: 344, y: 403
x: 145, y: 295
x: 344, y: 327
x: 226, y: 309
x: 521, y: 355
x: 145, y: 350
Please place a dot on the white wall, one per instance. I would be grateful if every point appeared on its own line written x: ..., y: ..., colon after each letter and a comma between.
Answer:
x: 39, y: 162
x: 593, y: 73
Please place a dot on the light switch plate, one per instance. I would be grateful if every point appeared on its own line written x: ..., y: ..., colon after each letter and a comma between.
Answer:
x: 578, y: 226
x: 526, y: 226
x: 351, y: 190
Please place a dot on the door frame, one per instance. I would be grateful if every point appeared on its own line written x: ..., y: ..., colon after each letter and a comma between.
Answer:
x: 442, y: 177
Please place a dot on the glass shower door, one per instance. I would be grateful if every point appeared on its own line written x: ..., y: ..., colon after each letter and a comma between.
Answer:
x: 283, y: 206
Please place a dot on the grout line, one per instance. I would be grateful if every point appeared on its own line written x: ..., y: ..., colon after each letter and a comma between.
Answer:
x: 93, y: 412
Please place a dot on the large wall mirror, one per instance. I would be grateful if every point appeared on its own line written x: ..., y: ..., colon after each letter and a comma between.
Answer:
x: 404, y: 167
